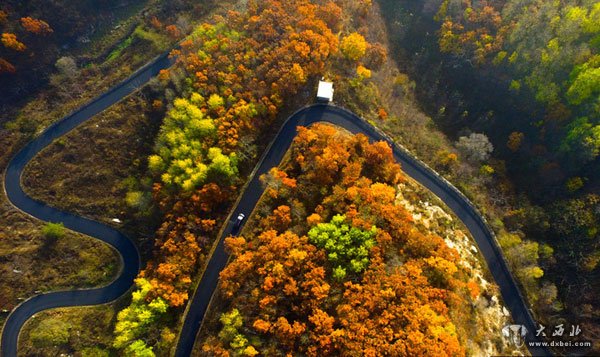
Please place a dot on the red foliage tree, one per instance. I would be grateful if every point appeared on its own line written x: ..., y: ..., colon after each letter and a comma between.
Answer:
x: 6, y: 67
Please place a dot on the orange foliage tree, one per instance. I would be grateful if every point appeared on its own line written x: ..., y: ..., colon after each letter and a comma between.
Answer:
x: 38, y: 27
x: 285, y: 44
x: 185, y: 231
x: 476, y: 32
x: 240, y: 73
x: 237, y: 74
x: 173, y: 31
x: 9, y: 40
x: 283, y: 285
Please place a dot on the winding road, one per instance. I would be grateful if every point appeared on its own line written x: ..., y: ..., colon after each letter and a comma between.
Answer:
x: 272, y: 157
x: 129, y: 254
x: 451, y: 196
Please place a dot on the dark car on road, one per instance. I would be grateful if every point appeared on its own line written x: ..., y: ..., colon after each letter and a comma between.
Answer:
x: 238, y: 223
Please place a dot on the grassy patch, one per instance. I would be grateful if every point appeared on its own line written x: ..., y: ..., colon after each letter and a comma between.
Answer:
x: 91, y: 169
x: 114, y: 28
x: 158, y: 41
x: 33, y: 262
x: 75, y: 331
x: 119, y: 49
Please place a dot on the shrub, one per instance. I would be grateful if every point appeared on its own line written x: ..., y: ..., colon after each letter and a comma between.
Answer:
x: 50, y: 332
x: 347, y: 247
x: 53, y: 231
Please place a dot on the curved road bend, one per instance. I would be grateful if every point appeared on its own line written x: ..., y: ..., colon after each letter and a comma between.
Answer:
x: 129, y: 254
x: 412, y: 167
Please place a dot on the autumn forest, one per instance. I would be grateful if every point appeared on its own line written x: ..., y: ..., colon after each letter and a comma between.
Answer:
x: 345, y: 253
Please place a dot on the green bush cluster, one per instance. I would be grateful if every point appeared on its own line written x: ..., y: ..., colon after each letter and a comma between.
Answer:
x: 183, y: 157
x: 133, y: 321
x: 53, y: 231
x: 232, y: 323
x: 347, y: 247
x: 51, y: 332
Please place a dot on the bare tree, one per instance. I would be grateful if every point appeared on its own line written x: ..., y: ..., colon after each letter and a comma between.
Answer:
x: 67, y: 67
x: 66, y: 78
x: 476, y: 147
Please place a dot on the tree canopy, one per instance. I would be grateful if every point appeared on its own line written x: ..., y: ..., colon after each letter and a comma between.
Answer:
x: 347, y: 247
x: 324, y: 280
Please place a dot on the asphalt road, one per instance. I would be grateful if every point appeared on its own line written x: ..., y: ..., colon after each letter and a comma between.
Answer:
x: 129, y: 254
x: 456, y: 201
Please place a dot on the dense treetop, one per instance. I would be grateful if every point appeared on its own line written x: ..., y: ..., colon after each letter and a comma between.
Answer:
x: 549, y: 49
x: 316, y: 277
x: 229, y: 82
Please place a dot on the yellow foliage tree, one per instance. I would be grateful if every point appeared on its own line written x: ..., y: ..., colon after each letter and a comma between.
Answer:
x: 354, y: 46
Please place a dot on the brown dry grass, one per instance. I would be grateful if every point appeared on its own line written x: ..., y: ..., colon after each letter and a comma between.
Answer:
x: 28, y: 264
x: 87, y: 170
x: 89, y: 330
